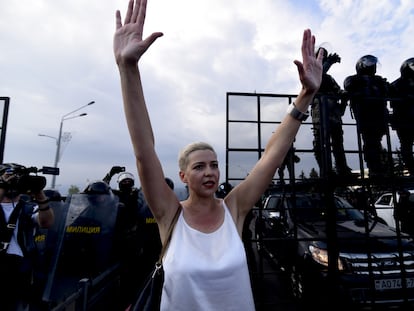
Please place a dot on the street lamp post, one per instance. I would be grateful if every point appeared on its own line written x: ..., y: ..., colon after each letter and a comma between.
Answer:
x: 44, y: 135
x: 65, y: 117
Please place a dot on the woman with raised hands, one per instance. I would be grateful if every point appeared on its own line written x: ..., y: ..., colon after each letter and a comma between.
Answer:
x: 205, y: 265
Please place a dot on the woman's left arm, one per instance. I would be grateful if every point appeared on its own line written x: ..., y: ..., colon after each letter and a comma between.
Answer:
x: 247, y: 193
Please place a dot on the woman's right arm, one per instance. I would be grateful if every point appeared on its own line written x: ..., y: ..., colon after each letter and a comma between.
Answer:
x: 129, y: 46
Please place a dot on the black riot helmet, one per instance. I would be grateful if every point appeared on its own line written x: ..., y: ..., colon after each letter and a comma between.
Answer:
x: 407, y: 68
x: 367, y: 65
x: 223, y: 189
x: 97, y: 187
x: 53, y: 195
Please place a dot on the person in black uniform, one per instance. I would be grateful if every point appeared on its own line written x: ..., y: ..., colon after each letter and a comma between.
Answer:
x: 335, y: 109
x: 403, y: 112
x: 129, y: 228
x: 139, y: 239
x: 368, y: 92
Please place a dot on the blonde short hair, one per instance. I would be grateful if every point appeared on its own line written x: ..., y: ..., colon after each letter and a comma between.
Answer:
x: 187, y: 150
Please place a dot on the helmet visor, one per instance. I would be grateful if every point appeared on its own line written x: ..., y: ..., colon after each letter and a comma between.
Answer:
x: 368, y: 61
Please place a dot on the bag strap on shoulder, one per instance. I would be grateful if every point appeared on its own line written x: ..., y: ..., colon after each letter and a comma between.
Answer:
x: 169, y: 234
x: 10, y: 227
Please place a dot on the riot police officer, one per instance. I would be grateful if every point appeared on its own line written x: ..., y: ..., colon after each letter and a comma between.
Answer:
x: 403, y: 112
x: 130, y: 232
x: 368, y: 93
x: 140, y: 242
x: 331, y: 92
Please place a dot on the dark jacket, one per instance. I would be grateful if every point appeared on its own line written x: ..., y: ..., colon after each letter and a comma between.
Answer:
x: 403, y: 104
x: 336, y: 107
x: 368, y: 100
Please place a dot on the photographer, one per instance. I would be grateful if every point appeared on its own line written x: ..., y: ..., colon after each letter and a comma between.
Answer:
x: 18, y: 219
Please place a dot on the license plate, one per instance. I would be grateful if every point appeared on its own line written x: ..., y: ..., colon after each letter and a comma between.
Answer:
x: 393, y: 283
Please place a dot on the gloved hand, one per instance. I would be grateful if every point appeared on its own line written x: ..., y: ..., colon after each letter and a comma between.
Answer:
x: 116, y: 170
x: 334, y: 58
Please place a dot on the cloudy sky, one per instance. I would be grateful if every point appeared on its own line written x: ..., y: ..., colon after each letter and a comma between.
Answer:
x: 57, y: 56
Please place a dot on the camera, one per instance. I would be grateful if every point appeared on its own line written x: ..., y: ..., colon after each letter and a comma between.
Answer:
x: 26, y: 179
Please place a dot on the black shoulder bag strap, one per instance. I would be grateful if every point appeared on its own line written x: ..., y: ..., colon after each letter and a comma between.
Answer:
x: 7, y: 231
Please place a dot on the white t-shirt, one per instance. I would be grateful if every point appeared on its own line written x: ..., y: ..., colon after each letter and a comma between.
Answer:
x: 206, y: 271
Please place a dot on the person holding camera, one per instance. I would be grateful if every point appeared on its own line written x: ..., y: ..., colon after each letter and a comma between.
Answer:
x: 18, y: 219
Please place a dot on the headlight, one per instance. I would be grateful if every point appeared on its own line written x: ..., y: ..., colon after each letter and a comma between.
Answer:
x: 274, y: 214
x: 321, y: 256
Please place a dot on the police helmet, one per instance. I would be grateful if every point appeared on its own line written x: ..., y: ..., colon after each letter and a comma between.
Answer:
x: 223, y: 189
x: 407, y: 68
x: 97, y: 187
x: 367, y: 64
x: 125, y: 176
x: 53, y: 195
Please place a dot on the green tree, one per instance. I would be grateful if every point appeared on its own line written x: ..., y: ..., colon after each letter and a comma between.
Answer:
x: 73, y: 189
x: 398, y: 163
x: 313, y: 173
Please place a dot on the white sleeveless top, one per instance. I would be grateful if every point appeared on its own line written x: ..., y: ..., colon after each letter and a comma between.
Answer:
x: 206, y: 271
